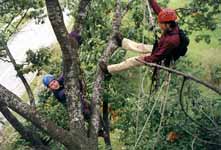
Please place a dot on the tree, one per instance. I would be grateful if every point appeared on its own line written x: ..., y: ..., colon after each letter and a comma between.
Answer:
x: 78, y: 135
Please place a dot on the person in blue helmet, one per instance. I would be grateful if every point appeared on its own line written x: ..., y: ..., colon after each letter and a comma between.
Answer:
x: 56, y: 86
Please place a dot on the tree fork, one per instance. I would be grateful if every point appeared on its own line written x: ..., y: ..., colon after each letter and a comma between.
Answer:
x: 59, y: 134
x: 26, y: 133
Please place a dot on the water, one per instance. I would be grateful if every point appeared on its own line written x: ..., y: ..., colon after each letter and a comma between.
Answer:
x: 31, y: 36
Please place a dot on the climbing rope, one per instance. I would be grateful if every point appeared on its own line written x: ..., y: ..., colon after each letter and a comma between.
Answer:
x: 151, y: 18
x: 142, y: 93
x: 162, y: 108
x: 148, y: 117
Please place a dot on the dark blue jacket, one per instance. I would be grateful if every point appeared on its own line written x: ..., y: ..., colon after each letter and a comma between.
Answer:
x: 60, y: 96
x: 59, y: 93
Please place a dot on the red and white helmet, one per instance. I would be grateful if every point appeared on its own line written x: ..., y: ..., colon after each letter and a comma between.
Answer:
x: 167, y: 15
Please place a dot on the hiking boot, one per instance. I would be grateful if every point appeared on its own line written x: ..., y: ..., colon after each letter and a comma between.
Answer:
x: 103, y: 66
x: 119, y: 38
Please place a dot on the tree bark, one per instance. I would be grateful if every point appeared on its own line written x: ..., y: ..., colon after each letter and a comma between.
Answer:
x: 98, y: 89
x: 71, y: 66
x: 81, y: 15
x: 20, y: 74
x: 106, y: 124
x: 12, y: 101
x: 26, y: 134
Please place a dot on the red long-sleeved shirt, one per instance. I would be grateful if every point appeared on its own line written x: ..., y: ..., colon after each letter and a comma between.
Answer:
x: 168, y: 42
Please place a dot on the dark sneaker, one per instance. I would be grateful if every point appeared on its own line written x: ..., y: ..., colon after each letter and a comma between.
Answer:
x: 119, y: 38
x: 103, y: 66
x: 101, y: 133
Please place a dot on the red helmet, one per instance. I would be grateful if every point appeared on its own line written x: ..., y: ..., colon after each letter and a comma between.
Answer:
x: 167, y: 15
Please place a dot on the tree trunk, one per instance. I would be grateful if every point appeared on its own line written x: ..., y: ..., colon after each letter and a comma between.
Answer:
x: 69, y: 139
x: 26, y: 134
x: 98, y: 89
x: 81, y: 15
x: 72, y: 74
x: 71, y: 66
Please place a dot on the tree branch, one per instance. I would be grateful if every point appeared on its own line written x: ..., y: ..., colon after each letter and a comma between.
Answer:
x: 18, y: 24
x: 127, y: 7
x: 81, y: 15
x: 26, y: 134
x: 187, y: 76
x: 15, y: 103
x: 97, y: 90
x: 186, y: 114
x: 106, y: 123
x: 11, y: 20
x: 19, y: 73
x: 198, y: 138
x: 5, y: 60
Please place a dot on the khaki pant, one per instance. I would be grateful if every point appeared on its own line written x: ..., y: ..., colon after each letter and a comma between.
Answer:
x: 130, y: 62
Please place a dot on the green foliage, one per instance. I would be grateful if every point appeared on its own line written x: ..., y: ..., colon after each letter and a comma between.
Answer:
x: 198, y: 15
x: 13, y: 10
x: 37, y: 60
x: 123, y: 91
x: 52, y: 109
x: 216, y: 74
x: 135, y: 111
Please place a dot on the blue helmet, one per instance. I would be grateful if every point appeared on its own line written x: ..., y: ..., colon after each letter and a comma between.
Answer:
x: 47, y: 79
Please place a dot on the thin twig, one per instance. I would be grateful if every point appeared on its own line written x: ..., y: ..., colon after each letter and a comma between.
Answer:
x: 186, y: 114
x: 5, y: 60
x: 192, y: 145
x: 12, y: 19
x: 209, y: 118
x: 127, y: 7
x: 17, y: 25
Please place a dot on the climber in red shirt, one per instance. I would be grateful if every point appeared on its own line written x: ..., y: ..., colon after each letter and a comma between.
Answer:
x: 168, y: 42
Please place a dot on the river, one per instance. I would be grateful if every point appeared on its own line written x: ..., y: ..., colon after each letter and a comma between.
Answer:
x: 31, y: 36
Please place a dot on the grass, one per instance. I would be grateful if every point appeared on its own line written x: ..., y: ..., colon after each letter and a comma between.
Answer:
x: 207, y: 54
x: 177, y: 4
x: 202, y: 52
x: 115, y: 141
